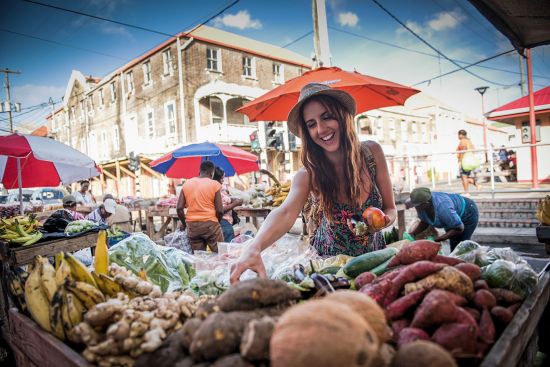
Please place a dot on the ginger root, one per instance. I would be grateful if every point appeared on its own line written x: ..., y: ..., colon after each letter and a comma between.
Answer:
x: 153, y: 339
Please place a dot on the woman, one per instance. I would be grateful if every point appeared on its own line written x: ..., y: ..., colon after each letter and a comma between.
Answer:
x: 342, y: 176
x: 228, y: 204
x: 457, y: 215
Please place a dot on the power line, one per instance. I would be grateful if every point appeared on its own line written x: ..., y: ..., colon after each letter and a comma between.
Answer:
x: 432, y: 47
x: 467, y: 66
x: 297, y: 39
x: 389, y: 44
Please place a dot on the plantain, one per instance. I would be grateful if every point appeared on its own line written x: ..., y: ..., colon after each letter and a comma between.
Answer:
x: 75, y: 310
x: 35, y: 297
x: 56, y: 322
x: 79, y: 271
x: 86, y: 293
x: 47, y: 277
x: 16, y: 286
x: 63, y: 272
x: 107, y: 285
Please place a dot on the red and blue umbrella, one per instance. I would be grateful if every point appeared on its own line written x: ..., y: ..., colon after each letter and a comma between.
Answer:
x: 184, y: 162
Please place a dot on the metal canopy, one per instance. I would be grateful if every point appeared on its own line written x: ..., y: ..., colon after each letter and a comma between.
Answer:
x: 526, y: 23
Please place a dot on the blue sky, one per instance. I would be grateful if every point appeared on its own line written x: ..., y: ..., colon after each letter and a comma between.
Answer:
x: 97, y: 47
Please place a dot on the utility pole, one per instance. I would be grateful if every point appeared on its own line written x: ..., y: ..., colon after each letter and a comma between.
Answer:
x: 320, y: 34
x: 522, y: 77
x: 482, y: 90
x: 6, y: 72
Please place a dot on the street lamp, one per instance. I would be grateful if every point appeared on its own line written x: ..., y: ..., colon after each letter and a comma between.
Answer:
x: 482, y: 90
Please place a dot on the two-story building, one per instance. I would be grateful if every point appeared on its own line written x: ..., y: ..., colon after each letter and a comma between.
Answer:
x: 184, y: 90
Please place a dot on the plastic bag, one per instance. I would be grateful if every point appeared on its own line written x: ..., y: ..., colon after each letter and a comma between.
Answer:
x: 504, y: 253
x: 169, y: 268
x: 470, y: 161
x: 179, y: 240
x: 210, y: 282
x: 519, y: 278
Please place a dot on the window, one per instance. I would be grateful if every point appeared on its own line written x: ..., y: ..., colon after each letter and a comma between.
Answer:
x: 103, y: 144
x: 170, y: 113
x: 147, y: 73
x: 404, y: 130
x: 213, y: 59
x: 101, y: 98
x: 130, y: 81
x: 414, y: 137
x: 113, y: 91
x: 150, y: 124
x: 82, y: 110
x: 167, y: 62
x: 278, y: 76
x: 116, y: 139
x: 216, y: 111
x: 249, y: 67
x: 391, y: 127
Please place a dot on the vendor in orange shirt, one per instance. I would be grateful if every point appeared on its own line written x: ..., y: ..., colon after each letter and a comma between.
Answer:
x: 202, y: 198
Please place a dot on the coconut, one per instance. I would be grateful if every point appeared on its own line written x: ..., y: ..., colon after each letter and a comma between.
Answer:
x: 322, y: 333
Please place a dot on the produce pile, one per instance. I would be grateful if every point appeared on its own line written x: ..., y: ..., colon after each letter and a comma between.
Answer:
x: 79, y: 226
x: 543, y: 211
x: 276, y: 194
x: 20, y: 230
x: 11, y: 210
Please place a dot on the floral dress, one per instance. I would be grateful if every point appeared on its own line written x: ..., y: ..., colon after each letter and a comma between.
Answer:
x: 331, y: 239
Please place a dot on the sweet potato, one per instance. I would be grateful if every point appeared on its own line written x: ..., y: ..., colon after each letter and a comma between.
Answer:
x: 472, y: 311
x: 456, y: 298
x: 255, y: 340
x: 397, y: 326
x: 456, y: 338
x: 484, y: 299
x: 423, y: 353
x: 400, y: 306
x: 448, y: 278
x: 502, y: 315
x: 411, y: 273
x: 464, y: 317
x: 411, y: 334
x: 364, y: 278
x: 419, y: 250
x: 471, y: 270
x: 377, y: 291
x: 513, y: 308
x: 256, y: 293
x: 447, y: 260
x: 436, y: 309
x: 481, y: 284
x: 487, y: 330
x: 505, y: 296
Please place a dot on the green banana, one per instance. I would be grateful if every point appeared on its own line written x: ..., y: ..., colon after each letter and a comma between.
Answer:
x: 78, y: 271
x: 37, y: 302
x: 20, y: 230
x: 86, y: 293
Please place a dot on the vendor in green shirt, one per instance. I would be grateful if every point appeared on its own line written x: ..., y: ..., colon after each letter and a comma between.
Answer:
x: 457, y: 215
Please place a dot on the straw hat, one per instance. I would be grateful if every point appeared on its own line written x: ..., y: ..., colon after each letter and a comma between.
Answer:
x: 315, y: 89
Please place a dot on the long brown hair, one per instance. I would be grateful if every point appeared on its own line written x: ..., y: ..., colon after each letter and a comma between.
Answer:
x: 325, y: 184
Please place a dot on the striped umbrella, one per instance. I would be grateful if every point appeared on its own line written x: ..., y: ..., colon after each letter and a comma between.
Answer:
x: 184, y: 162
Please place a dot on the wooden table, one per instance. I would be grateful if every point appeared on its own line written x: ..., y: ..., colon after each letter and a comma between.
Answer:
x: 168, y: 216
x: 252, y: 213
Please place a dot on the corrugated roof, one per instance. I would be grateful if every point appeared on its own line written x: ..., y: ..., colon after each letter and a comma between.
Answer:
x: 542, y: 98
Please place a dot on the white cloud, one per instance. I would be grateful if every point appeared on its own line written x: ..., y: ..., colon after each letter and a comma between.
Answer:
x: 240, y: 20
x: 446, y: 20
x: 115, y: 30
x: 348, y: 19
x: 32, y: 94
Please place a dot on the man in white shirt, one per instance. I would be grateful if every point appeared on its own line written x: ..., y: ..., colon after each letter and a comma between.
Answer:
x: 104, y: 211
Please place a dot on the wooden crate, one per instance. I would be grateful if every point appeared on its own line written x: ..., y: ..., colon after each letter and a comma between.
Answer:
x: 33, y: 346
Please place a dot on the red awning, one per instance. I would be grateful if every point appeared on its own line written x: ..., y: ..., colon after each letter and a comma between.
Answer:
x: 520, y: 106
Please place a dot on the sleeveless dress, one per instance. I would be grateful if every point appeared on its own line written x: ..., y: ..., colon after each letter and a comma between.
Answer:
x: 331, y: 239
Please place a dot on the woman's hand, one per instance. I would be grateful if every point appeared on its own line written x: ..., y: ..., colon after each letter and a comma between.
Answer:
x: 250, y: 259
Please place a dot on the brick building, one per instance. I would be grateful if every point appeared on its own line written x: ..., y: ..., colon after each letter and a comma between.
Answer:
x: 184, y: 90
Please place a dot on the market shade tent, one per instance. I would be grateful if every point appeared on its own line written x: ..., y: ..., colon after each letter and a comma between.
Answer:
x: 369, y: 93
x: 184, y: 162
x: 33, y: 161
x: 526, y: 23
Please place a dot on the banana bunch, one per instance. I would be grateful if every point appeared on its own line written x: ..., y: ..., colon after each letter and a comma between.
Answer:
x: 16, y: 286
x: 20, y: 230
x: 543, y: 211
x: 279, y: 193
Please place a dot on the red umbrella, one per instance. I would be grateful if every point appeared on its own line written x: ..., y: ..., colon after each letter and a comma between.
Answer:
x: 369, y: 93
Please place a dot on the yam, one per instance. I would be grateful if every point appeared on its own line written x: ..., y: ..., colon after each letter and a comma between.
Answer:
x: 484, y: 299
x: 188, y: 331
x: 448, y: 278
x: 400, y: 306
x: 169, y: 352
x: 397, y: 326
x: 206, y: 308
x: 471, y: 270
x: 385, y: 356
x: 411, y: 334
x: 256, y: 337
x: 423, y: 353
x: 502, y: 315
x: 436, y: 309
x: 411, y: 273
x: 322, y: 333
x: 505, y: 296
x: 487, y: 331
x: 256, y: 293
x: 185, y: 362
x: 473, y: 312
x: 464, y: 317
x: 377, y: 291
x: 364, y: 278
x: 458, y: 339
x: 457, y: 299
x: 367, y: 308
x: 232, y: 360
x: 513, y: 308
x: 480, y: 284
x: 417, y: 251
x: 447, y: 260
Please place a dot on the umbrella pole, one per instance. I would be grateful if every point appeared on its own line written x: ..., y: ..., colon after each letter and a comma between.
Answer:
x: 19, y: 184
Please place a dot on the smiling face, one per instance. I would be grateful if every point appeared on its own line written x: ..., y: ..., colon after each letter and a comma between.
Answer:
x: 322, y: 125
